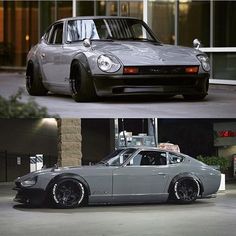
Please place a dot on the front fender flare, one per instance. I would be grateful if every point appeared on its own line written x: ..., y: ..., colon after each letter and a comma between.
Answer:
x: 68, y: 176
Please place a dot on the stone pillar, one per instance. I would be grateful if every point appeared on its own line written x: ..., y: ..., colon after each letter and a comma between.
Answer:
x: 69, y: 142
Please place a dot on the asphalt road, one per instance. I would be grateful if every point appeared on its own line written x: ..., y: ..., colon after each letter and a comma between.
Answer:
x: 209, y: 217
x: 220, y: 103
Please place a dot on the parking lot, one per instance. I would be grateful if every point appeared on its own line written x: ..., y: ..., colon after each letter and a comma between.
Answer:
x: 220, y: 103
x: 209, y: 217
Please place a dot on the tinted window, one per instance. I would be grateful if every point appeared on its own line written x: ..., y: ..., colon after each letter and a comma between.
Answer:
x: 146, y: 158
x: 57, y: 34
x: 174, y: 159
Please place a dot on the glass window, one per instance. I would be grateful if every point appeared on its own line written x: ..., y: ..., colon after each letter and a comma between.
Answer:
x: 118, y: 157
x: 19, y: 31
x: 194, y: 22
x: 147, y: 158
x: 120, y: 29
x: 224, y: 66
x: 85, y: 8
x: 161, y: 18
x: 224, y: 24
x: 175, y: 159
x: 64, y: 9
x: 56, y: 35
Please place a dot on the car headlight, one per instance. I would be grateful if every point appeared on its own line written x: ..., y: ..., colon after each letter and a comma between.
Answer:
x: 108, y: 63
x: 205, y: 62
x: 29, y: 182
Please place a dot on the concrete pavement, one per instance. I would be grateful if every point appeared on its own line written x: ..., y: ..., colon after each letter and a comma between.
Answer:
x: 220, y: 103
x: 209, y: 217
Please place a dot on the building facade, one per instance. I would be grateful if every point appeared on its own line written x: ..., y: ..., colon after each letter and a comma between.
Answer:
x: 178, y: 22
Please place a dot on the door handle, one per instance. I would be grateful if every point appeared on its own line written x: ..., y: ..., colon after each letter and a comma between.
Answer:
x: 160, y: 173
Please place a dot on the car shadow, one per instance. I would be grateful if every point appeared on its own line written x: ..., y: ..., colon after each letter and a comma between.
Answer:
x: 135, y: 99
x: 106, y: 208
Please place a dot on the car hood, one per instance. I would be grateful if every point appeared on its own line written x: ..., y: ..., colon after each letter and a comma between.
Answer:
x: 148, y: 53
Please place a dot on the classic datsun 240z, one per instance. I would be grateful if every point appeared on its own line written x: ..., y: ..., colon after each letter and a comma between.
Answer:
x: 129, y: 175
x: 88, y: 57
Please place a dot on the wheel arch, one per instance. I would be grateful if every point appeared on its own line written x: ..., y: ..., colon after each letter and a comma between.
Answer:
x: 82, y: 59
x: 68, y: 176
x: 186, y: 175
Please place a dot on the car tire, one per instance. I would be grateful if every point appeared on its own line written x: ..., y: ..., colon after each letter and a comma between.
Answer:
x: 195, y: 97
x: 185, y: 190
x: 81, y: 84
x: 68, y: 193
x: 34, y: 84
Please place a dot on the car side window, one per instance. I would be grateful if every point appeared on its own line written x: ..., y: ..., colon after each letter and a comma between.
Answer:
x: 175, y: 159
x: 57, y: 34
x: 146, y: 158
x: 47, y: 34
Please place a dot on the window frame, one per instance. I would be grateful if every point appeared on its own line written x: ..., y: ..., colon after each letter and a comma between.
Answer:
x: 143, y: 150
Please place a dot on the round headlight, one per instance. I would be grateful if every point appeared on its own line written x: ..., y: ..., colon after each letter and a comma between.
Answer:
x: 108, y: 63
x: 29, y: 182
x: 205, y: 62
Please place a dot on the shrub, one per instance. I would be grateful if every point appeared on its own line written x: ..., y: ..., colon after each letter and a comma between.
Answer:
x: 222, y: 162
x: 15, y: 108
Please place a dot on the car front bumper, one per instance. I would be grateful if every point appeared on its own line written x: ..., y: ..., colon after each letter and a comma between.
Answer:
x: 30, y: 196
x: 118, y: 85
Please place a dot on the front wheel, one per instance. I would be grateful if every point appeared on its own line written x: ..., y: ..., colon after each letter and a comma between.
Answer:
x: 68, y: 193
x: 203, y: 88
x: 81, y: 84
x: 185, y: 190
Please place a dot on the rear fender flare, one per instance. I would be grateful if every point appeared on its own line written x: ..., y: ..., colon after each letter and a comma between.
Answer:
x: 188, y: 176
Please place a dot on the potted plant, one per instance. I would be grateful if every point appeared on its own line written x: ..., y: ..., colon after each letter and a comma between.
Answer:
x: 217, y: 162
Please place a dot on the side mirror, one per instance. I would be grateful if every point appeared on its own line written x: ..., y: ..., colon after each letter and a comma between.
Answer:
x: 87, y: 43
x: 196, y: 43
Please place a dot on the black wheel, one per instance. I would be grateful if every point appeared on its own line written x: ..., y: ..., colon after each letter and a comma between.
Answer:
x: 68, y: 193
x: 204, y: 86
x: 34, y: 83
x: 185, y: 190
x: 81, y: 84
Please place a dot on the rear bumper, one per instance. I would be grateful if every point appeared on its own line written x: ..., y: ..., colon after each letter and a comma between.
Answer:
x: 30, y: 196
x: 118, y: 85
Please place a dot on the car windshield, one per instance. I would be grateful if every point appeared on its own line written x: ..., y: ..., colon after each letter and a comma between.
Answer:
x: 108, y: 29
x: 118, y: 157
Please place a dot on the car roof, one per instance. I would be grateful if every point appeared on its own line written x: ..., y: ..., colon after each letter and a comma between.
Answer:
x: 95, y: 17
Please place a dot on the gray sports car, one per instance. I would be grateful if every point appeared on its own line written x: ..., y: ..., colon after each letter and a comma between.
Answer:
x: 88, y: 57
x: 129, y: 175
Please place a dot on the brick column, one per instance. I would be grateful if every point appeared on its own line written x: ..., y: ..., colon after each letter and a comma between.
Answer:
x: 69, y: 142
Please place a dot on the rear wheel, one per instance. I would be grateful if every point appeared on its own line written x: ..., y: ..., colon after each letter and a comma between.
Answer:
x: 34, y: 84
x: 185, y: 190
x: 68, y: 193
x: 81, y: 84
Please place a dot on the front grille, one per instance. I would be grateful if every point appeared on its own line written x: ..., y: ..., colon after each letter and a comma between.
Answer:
x: 17, y: 183
x: 163, y: 70
x: 168, y: 81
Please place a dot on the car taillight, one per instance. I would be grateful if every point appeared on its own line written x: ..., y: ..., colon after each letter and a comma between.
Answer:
x: 191, y: 70
x: 130, y: 70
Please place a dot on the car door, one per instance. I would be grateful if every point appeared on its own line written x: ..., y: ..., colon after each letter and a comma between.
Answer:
x: 144, y: 178
x: 52, y: 62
